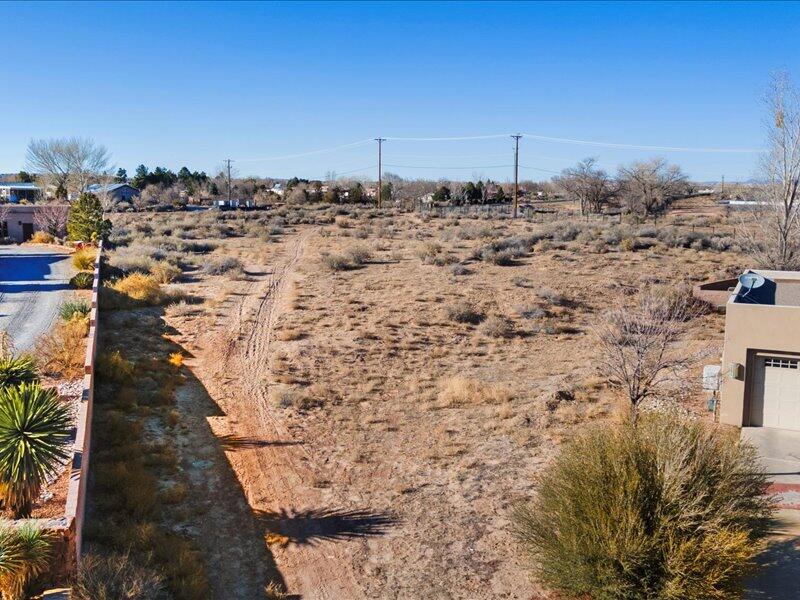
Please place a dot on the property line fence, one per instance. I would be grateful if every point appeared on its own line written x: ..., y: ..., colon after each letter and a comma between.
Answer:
x: 69, y: 527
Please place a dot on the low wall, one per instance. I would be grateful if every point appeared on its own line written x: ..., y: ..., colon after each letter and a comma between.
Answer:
x: 69, y: 528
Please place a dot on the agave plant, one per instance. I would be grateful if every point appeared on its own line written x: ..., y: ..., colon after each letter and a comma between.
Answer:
x: 25, y: 553
x: 14, y: 371
x: 34, y: 428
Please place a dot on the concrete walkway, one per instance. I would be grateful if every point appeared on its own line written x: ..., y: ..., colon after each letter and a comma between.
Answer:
x: 778, y: 574
x: 779, y: 450
x: 34, y: 281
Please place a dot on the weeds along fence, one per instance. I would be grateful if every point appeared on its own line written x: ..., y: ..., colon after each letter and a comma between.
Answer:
x: 69, y: 527
x: 484, y: 210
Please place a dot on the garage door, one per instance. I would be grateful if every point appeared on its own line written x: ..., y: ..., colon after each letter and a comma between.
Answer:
x: 776, y: 393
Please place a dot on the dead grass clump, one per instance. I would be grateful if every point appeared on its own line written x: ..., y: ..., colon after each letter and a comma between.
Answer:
x: 358, y: 255
x: 428, y: 252
x: 42, y: 237
x: 464, y: 312
x: 335, y: 262
x: 138, y: 289
x: 288, y: 335
x: 117, y: 575
x: 83, y: 259
x: 497, y: 327
x: 164, y: 272
x: 62, y: 352
x: 464, y: 391
x: 115, y: 367
x: 226, y: 266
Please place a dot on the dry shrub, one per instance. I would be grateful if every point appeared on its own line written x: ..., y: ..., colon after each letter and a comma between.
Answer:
x: 428, y: 252
x: 42, y: 237
x: 336, y: 262
x: 460, y: 391
x: 164, y: 272
x: 111, y: 576
x: 497, y: 327
x: 83, y: 259
x: 176, y: 359
x: 112, y: 366
x: 136, y: 290
x: 288, y: 335
x: 665, y: 509
x: 358, y: 255
x: 225, y: 266
x: 61, y: 353
x: 464, y: 312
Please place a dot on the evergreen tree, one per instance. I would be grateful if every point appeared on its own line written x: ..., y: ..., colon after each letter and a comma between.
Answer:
x: 121, y: 176
x: 86, y: 221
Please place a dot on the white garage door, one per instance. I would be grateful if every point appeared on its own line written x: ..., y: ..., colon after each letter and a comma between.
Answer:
x: 776, y: 393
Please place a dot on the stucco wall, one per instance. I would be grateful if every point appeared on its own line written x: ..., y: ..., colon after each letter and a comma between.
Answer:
x: 750, y: 328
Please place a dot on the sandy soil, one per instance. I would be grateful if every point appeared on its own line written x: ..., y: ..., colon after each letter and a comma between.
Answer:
x: 367, y: 472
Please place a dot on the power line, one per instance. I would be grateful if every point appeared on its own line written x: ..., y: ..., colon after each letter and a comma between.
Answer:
x: 642, y: 147
x: 446, y: 139
x: 432, y: 167
x: 311, y: 153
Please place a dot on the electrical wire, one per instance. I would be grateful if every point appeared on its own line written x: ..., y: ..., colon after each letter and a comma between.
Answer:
x: 641, y: 147
x: 446, y: 139
x: 311, y: 153
x: 432, y: 167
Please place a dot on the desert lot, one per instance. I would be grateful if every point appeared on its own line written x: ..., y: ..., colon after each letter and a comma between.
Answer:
x: 361, y: 397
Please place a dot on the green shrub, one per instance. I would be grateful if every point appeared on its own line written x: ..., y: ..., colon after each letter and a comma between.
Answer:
x: 667, y: 509
x: 14, y: 371
x: 83, y: 280
x: 74, y: 308
x: 25, y: 553
x: 34, y: 430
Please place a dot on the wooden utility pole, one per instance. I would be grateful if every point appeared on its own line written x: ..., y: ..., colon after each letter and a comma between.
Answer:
x: 516, y: 173
x: 380, y: 178
x: 228, y: 162
x: 722, y: 193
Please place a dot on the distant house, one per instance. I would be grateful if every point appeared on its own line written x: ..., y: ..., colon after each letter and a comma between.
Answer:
x: 277, y: 189
x: 118, y: 192
x: 18, y: 221
x: 13, y: 191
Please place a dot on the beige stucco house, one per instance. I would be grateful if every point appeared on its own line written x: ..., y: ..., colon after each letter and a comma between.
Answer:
x: 761, y: 359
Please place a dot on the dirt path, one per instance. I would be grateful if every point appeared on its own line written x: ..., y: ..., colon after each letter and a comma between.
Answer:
x: 308, y: 536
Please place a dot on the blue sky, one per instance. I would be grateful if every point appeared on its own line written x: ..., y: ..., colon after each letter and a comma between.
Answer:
x: 192, y: 84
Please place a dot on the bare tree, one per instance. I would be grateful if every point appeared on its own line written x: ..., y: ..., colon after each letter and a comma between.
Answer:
x: 773, y: 235
x: 68, y: 164
x: 591, y: 187
x: 638, y: 346
x: 52, y: 218
x: 649, y: 187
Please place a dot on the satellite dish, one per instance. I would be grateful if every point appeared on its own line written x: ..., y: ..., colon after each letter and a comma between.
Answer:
x: 751, y: 281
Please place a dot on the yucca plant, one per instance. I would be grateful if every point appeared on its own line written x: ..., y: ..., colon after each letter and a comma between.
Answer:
x: 16, y: 370
x: 25, y: 553
x: 34, y: 428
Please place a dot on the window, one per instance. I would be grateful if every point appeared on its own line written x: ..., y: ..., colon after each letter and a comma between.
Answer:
x: 781, y: 363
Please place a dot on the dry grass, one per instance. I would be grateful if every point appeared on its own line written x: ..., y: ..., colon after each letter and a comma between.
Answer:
x: 463, y: 391
x: 83, y: 259
x: 61, y: 353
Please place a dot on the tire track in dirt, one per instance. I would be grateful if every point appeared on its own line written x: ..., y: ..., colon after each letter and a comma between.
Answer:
x: 276, y: 471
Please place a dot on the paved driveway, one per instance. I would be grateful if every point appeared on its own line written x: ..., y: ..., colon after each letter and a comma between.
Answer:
x: 34, y: 281
x: 778, y: 575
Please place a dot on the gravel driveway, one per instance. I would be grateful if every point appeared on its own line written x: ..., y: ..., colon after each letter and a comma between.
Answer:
x: 34, y: 281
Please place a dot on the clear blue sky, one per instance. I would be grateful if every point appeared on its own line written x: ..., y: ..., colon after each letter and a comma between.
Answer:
x: 192, y: 84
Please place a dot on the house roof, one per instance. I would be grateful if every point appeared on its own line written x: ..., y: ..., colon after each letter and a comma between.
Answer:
x: 17, y: 185
x: 780, y: 288
x: 98, y: 187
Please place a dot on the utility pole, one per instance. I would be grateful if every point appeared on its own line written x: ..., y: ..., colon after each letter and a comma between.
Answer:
x: 228, y: 162
x: 722, y: 193
x: 516, y: 173
x: 380, y: 178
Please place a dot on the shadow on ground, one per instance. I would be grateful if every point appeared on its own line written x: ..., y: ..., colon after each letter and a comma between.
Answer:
x: 324, y: 525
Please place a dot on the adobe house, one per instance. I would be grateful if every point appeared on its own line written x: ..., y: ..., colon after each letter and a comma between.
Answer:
x: 761, y: 358
x: 18, y: 222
